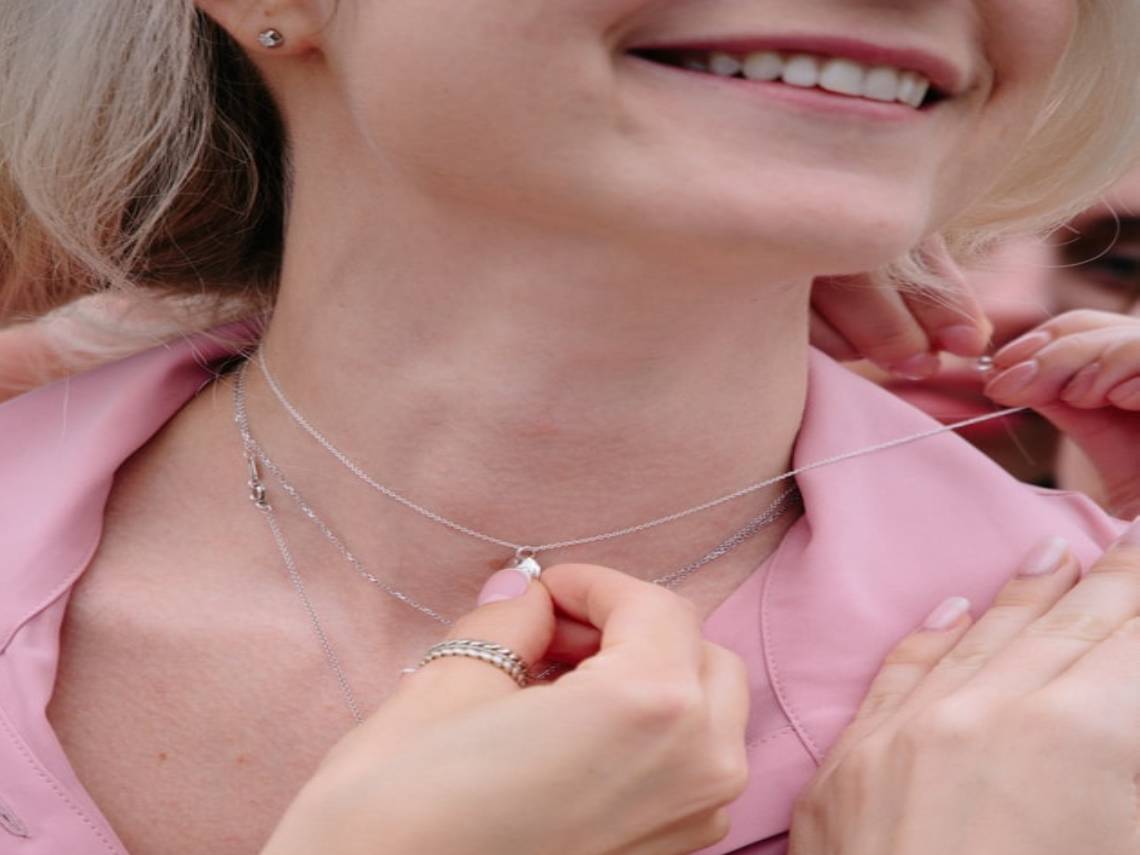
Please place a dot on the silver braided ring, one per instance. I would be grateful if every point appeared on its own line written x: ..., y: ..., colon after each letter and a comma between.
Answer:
x: 503, y: 658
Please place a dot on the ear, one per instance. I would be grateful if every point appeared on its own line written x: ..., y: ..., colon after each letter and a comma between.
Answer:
x: 298, y: 21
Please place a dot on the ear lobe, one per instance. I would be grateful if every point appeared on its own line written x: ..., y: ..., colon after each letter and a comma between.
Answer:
x: 297, y: 22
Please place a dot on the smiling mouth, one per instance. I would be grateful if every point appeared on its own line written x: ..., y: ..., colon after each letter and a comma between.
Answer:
x: 884, y: 84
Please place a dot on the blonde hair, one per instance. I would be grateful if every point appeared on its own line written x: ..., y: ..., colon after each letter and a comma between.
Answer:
x: 139, y: 148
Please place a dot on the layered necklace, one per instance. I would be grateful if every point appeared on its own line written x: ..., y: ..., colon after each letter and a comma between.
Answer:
x: 523, y: 557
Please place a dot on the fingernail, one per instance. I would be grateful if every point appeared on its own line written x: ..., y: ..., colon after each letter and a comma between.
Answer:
x: 1131, y: 536
x: 1045, y: 557
x: 504, y: 585
x: 917, y: 367
x: 1077, y: 389
x: 963, y: 339
x: 1012, y: 381
x: 947, y: 614
x: 1127, y: 394
x: 1022, y: 348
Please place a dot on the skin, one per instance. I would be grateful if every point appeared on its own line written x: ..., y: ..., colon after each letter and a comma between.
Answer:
x: 567, y: 335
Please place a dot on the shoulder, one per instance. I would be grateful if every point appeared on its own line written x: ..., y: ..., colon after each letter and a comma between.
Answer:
x: 62, y: 445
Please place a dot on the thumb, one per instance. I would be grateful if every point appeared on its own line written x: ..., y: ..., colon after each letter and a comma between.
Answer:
x: 513, y: 612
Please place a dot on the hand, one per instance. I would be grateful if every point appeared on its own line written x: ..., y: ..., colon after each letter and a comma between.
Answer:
x: 900, y: 330
x: 1017, y: 735
x: 1081, y: 370
x: 637, y: 751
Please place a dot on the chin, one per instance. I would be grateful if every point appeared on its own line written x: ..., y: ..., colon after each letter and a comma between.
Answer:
x: 823, y: 230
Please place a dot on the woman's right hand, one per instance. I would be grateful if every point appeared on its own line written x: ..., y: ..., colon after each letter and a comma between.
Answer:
x: 1016, y: 735
x: 637, y: 751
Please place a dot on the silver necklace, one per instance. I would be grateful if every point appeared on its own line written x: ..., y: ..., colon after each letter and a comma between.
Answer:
x: 525, y: 556
x: 255, y: 455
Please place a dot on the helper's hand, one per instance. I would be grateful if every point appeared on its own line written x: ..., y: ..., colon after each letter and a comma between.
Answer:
x: 1081, y: 370
x: 1017, y: 735
x: 900, y: 330
x: 637, y: 751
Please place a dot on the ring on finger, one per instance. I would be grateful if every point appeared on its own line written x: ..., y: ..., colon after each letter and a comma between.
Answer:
x: 498, y: 655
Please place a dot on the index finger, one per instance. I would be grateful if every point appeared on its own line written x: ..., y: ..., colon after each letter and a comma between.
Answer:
x: 1089, y: 614
x: 659, y: 624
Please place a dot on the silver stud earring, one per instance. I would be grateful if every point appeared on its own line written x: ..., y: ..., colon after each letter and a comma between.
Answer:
x: 270, y: 38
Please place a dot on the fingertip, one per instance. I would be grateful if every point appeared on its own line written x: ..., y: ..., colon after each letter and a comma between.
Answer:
x: 963, y: 339
x: 951, y: 613
x: 506, y: 584
x: 1021, y: 348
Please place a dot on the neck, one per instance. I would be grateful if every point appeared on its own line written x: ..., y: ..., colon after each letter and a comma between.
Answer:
x: 536, y: 386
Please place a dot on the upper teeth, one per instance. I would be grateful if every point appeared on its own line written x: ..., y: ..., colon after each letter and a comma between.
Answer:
x: 845, y: 76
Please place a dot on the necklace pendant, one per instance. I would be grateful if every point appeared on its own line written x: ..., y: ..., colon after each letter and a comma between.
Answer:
x: 525, y: 562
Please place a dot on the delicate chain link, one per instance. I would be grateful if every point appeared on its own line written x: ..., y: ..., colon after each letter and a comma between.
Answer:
x: 359, y: 472
x: 295, y: 577
x: 774, y: 511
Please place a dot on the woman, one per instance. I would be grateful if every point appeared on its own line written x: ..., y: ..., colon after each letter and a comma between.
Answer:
x: 543, y: 280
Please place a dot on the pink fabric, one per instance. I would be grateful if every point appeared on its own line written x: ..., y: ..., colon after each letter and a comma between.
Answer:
x: 884, y: 539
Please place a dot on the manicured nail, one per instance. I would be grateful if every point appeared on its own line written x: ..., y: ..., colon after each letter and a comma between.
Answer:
x: 1012, y: 381
x: 1131, y: 536
x: 1127, y: 394
x: 918, y: 367
x: 963, y: 339
x: 504, y: 585
x: 947, y: 614
x: 1045, y: 557
x: 1022, y: 348
x: 1077, y: 389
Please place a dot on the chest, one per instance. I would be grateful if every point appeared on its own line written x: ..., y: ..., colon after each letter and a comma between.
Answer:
x: 193, y: 723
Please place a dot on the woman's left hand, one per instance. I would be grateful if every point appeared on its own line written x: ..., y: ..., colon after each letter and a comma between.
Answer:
x: 900, y: 330
x: 1081, y: 371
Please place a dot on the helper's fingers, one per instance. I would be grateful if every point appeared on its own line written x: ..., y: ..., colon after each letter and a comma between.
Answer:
x: 1107, y: 679
x: 524, y: 623
x: 1102, y: 602
x: 1047, y: 573
x: 904, y: 668
x: 1080, y: 369
x: 951, y: 314
x: 661, y: 627
x: 878, y: 324
x: 1078, y: 321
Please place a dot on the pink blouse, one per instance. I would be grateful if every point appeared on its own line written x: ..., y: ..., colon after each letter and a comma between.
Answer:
x: 884, y: 538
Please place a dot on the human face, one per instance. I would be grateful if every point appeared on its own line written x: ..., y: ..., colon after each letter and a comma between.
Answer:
x: 549, y: 112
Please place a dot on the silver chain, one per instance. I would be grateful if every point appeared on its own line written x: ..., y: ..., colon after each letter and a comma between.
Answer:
x: 518, y: 548
x: 255, y: 454
x: 522, y: 548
